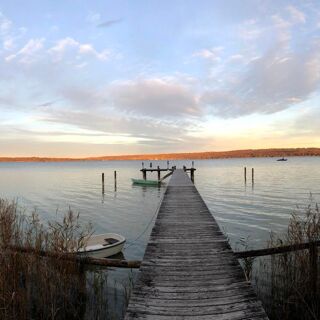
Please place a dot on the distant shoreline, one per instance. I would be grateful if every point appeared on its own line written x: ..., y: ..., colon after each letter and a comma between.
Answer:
x: 248, y: 153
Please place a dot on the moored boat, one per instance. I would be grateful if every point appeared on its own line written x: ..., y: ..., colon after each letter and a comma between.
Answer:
x: 282, y: 159
x: 146, y: 182
x: 103, y: 245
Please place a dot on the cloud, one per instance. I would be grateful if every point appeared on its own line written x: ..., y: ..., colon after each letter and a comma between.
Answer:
x: 155, y: 97
x: 271, y: 83
x: 93, y: 17
x: 307, y: 123
x: 64, y: 45
x: 296, y: 15
x: 237, y: 58
x: 5, y: 32
x: 249, y: 30
x: 274, y: 80
x: 210, y: 54
x: 88, y: 49
x: 5, y: 24
x: 108, y: 23
x: 28, y: 52
x: 48, y: 103
x: 139, y: 127
x: 84, y: 97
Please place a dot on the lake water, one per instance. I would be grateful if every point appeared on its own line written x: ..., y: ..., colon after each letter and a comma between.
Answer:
x: 242, y: 210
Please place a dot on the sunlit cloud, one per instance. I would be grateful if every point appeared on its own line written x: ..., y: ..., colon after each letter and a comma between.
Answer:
x: 223, y: 81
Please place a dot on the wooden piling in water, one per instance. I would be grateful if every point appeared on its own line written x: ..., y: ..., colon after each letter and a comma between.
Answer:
x: 159, y: 176
x: 252, y: 175
x: 245, y: 174
x: 144, y: 174
x: 115, y: 180
x: 102, y: 177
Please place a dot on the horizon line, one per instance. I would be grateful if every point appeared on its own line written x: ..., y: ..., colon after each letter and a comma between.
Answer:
x: 239, y: 153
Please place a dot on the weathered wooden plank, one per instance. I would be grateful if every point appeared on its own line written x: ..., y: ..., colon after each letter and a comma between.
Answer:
x: 189, y: 270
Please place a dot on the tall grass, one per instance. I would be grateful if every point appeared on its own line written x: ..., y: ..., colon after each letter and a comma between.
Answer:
x: 284, y: 281
x: 35, y: 287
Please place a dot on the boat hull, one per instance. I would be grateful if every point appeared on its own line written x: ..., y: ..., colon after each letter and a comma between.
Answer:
x: 103, y: 253
x: 96, y: 247
x: 146, y: 182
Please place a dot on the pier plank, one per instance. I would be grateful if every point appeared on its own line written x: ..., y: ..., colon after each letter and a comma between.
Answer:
x: 189, y: 270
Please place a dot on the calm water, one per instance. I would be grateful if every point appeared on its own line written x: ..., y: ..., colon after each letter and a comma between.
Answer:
x: 241, y: 210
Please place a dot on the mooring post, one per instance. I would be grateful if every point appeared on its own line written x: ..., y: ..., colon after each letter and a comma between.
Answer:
x: 159, y: 177
x: 115, y: 180
x: 167, y: 164
x: 192, y: 174
x: 252, y: 175
x: 313, y: 255
x: 144, y: 174
x: 102, y: 182
x: 192, y: 164
x: 245, y: 174
x: 142, y: 165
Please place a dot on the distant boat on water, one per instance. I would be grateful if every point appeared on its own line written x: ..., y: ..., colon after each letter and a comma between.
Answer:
x: 282, y: 159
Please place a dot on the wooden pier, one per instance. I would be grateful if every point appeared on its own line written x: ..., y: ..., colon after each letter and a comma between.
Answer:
x: 189, y: 270
x: 170, y: 170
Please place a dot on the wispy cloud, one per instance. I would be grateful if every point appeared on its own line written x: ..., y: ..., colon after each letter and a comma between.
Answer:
x: 297, y: 16
x: 28, y: 52
x: 64, y: 45
x: 155, y: 97
x: 5, y: 24
x: 212, y: 54
x: 250, y: 30
x: 170, y: 85
x: 108, y: 23
x: 48, y: 103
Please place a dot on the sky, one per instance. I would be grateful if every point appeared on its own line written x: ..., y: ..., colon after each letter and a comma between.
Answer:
x: 109, y: 77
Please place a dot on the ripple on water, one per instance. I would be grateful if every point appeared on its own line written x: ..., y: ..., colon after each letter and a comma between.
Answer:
x: 240, y: 209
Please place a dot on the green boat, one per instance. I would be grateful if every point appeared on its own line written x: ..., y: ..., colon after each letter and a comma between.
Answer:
x: 146, y: 182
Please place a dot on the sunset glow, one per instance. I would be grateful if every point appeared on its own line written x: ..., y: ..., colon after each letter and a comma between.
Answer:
x: 90, y: 78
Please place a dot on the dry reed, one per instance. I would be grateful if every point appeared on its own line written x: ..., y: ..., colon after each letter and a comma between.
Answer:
x: 34, y: 287
x: 284, y: 282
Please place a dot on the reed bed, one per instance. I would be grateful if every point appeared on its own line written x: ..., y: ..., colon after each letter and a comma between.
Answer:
x: 284, y: 282
x: 35, y: 287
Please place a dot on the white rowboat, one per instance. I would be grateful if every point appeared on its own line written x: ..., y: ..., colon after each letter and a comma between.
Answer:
x: 103, y: 245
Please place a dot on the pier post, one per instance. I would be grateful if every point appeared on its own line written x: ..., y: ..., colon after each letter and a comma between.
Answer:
x: 252, y: 175
x: 144, y: 174
x: 167, y: 164
x: 192, y: 174
x: 245, y: 174
x: 102, y: 176
x: 159, y: 177
x: 115, y: 180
